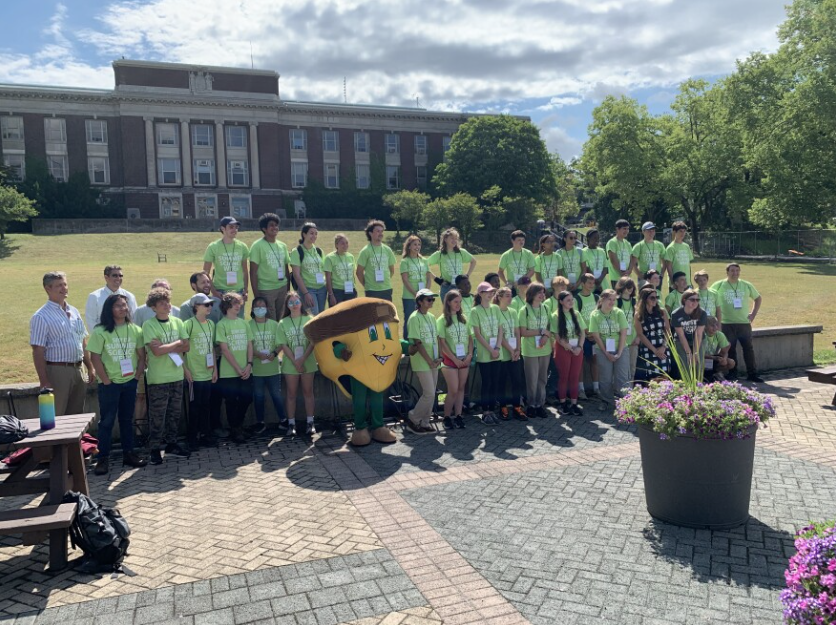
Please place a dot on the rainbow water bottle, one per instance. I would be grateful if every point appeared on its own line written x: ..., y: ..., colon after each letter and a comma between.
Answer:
x: 46, y: 409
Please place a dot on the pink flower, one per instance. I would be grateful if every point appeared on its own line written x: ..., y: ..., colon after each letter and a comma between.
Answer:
x: 828, y: 580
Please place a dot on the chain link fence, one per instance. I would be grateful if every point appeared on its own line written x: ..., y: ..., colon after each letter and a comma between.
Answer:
x: 820, y: 244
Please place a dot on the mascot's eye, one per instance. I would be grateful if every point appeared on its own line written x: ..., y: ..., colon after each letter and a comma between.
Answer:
x: 372, y: 334
x: 386, y: 331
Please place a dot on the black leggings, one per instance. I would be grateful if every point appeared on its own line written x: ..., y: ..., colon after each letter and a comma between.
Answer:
x: 490, y: 373
x: 511, y: 374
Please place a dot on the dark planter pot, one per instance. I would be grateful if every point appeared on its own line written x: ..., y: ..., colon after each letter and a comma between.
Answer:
x: 697, y: 483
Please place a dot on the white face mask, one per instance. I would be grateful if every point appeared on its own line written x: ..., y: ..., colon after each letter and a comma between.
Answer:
x: 260, y: 312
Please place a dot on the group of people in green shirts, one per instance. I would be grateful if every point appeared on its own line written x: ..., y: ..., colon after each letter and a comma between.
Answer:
x: 531, y: 327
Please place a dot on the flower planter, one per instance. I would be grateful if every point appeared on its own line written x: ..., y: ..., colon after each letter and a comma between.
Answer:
x: 702, y: 483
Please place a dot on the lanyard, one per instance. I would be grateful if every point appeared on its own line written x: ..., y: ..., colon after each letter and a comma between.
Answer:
x: 205, y: 335
x: 377, y: 260
x: 597, y: 257
x: 263, y: 335
x: 275, y: 250
x: 229, y: 265
x: 123, y: 347
x: 456, y: 268
x: 508, y: 324
x: 736, y: 294
x: 649, y: 252
x: 620, y: 251
x: 429, y: 325
x: 571, y: 257
x: 609, y: 323
x: 486, y: 316
x: 296, y: 332
x: 416, y: 266
x: 345, y: 265
x: 517, y: 263
x: 313, y: 253
x: 539, y: 310
x: 548, y: 267
x: 456, y: 325
x: 166, y: 335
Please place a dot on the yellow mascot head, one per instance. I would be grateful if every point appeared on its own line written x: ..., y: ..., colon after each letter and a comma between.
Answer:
x: 369, y: 328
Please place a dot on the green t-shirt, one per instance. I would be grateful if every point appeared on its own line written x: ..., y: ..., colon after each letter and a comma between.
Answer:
x: 623, y: 251
x: 728, y: 295
x: 488, y: 323
x: 236, y: 334
x: 516, y: 264
x: 596, y: 261
x: 673, y: 300
x: 292, y: 334
x: 456, y: 334
x: 201, y: 342
x: 517, y: 304
x: 570, y: 327
x: 341, y: 268
x: 452, y: 264
x: 508, y: 320
x: 376, y: 261
x: 114, y: 347
x: 311, y: 267
x: 424, y: 328
x: 265, y: 339
x: 680, y: 255
x: 713, y: 344
x: 629, y: 310
x: 608, y: 326
x: 530, y: 318
x: 548, y: 266
x: 709, y: 302
x: 585, y: 304
x: 271, y: 259
x: 225, y: 259
x: 649, y: 255
x: 571, y: 261
x: 163, y: 369
x: 417, y: 269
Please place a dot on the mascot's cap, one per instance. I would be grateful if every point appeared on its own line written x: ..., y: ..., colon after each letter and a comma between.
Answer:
x: 351, y: 316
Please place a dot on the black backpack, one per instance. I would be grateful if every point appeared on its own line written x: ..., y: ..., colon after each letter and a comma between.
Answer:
x: 11, y: 430
x: 579, y: 301
x: 101, y: 533
x: 301, y: 251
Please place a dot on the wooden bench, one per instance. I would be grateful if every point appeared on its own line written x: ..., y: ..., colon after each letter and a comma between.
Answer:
x: 825, y: 375
x: 54, y: 519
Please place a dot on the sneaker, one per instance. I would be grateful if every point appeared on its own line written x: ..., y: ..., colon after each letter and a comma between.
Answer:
x: 156, y: 457
x: 594, y: 392
x: 731, y: 375
x: 504, y: 414
x: 237, y: 437
x: 582, y: 395
x: 448, y: 423
x: 132, y: 459
x: 459, y: 422
x: 519, y: 414
x: 175, y: 450
x: 565, y: 408
x: 258, y: 428
x: 576, y: 410
x: 542, y: 412
x: 102, y: 466
x: 416, y: 428
x: 220, y: 432
x: 310, y: 428
x: 489, y: 418
x: 755, y: 378
x: 283, y: 427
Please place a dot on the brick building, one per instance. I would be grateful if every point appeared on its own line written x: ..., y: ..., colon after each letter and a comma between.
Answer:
x: 183, y: 141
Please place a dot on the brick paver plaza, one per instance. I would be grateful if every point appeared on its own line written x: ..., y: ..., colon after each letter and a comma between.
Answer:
x: 541, y: 522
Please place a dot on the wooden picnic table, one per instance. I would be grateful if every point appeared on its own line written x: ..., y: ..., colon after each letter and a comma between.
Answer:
x: 61, y: 448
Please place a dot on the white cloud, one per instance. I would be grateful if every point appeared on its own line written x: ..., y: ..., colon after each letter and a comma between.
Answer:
x: 558, y: 139
x: 559, y: 102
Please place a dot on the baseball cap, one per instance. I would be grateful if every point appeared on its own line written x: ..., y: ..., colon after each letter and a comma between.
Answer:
x: 229, y: 221
x: 424, y: 293
x: 648, y: 225
x: 484, y: 286
x: 200, y: 298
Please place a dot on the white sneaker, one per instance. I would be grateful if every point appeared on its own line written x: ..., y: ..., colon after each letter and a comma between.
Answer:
x: 582, y: 395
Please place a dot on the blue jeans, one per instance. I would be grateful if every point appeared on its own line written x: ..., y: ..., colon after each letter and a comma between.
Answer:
x: 445, y: 288
x: 320, y: 295
x: 273, y: 385
x: 116, y: 399
x: 409, y: 307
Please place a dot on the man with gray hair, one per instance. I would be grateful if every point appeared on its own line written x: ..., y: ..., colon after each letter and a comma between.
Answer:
x: 143, y: 313
x: 59, y: 347
x: 95, y: 301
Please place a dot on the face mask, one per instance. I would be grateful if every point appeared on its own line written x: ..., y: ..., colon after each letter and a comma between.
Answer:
x: 260, y: 312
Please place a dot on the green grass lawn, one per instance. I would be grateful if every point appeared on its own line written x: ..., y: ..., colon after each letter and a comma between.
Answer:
x: 793, y: 293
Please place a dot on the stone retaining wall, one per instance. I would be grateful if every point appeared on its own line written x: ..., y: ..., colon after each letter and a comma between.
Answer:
x: 110, y: 226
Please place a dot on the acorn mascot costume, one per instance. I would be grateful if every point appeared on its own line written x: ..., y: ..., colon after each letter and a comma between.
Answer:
x: 358, y: 347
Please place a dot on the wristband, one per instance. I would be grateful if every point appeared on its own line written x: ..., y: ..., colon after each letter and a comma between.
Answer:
x: 250, y: 363
x: 438, y: 281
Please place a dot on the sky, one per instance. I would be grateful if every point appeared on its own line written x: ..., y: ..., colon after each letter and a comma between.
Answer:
x: 551, y: 60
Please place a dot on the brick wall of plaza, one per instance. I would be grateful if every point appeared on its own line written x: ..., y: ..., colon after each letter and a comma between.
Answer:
x: 185, y: 141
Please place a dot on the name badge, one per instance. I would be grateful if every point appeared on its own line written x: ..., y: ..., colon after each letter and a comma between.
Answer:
x: 492, y: 342
x: 210, y: 360
x: 538, y: 341
x: 611, y: 346
x: 652, y: 266
x: 629, y: 329
x: 435, y: 351
x: 378, y: 275
x: 709, y: 364
x: 348, y: 286
x: 512, y: 341
x: 264, y: 358
x: 421, y: 285
x: 177, y: 359
x: 231, y: 278
x: 459, y: 350
x: 127, y: 366
x: 572, y: 278
x: 320, y: 278
x: 298, y: 352
x: 737, y: 302
x: 280, y: 273
x: 623, y: 265
x: 597, y: 273
x: 573, y: 342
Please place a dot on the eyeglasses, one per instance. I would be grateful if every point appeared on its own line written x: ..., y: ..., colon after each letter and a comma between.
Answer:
x: 653, y: 298
x: 117, y: 275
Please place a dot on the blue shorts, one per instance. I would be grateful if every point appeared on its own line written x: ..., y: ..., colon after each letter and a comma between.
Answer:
x: 587, y: 347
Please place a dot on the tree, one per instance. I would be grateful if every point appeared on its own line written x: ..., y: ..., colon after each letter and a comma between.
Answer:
x: 501, y: 151
x: 465, y: 213
x: 14, y: 206
x: 407, y: 206
x: 565, y: 203
x: 437, y: 217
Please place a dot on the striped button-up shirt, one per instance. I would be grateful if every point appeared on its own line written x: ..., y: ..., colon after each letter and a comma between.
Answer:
x: 95, y: 303
x: 60, y: 330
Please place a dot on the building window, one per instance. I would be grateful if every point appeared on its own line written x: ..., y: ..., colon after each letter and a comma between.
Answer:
x: 237, y: 173
x: 166, y: 134
x: 298, y: 175
x: 206, y: 206
x: 298, y: 139
x: 393, y: 177
x: 421, y: 177
x: 332, y: 176
x: 171, y: 207
x: 57, y: 166
x: 55, y: 130
x: 16, y: 163
x: 330, y: 141
x: 393, y: 144
x: 236, y: 136
x: 202, y: 136
x: 12, y: 128
x: 420, y: 144
x: 169, y: 170
x: 96, y: 131
x: 362, y: 176
x: 98, y: 169
x: 445, y: 143
x: 204, y: 172
x: 361, y: 142
x: 239, y: 206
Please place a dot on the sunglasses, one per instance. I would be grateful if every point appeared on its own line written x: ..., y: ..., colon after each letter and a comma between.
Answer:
x: 693, y: 299
x: 428, y: 299
x: 294, y: 302
x: 208, y: 304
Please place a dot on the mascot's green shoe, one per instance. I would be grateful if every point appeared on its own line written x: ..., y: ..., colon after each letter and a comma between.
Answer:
x: 361, y: 438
